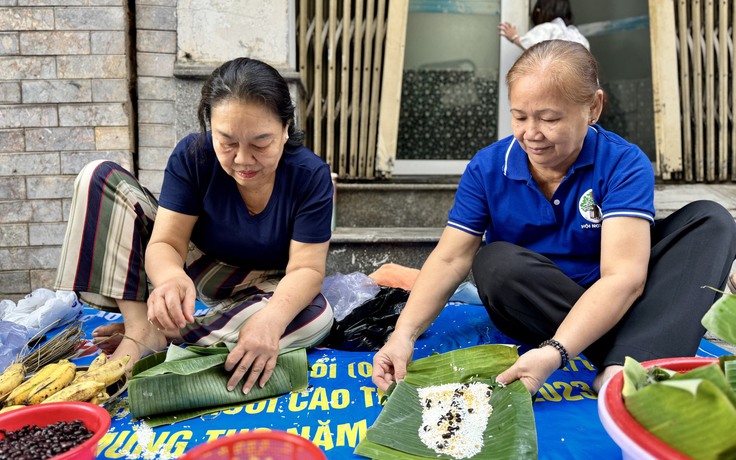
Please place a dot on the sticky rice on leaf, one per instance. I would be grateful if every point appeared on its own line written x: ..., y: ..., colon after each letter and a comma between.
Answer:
x: 509, y: 434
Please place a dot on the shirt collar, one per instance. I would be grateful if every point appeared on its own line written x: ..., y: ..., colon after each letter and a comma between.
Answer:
x: 516, y: 166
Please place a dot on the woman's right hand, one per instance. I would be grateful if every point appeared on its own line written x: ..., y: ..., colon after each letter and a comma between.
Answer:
x: 171, y: 304
x: 389, y: 363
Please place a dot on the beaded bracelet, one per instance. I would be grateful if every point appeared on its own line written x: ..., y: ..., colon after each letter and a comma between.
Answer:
x: 560, y: 348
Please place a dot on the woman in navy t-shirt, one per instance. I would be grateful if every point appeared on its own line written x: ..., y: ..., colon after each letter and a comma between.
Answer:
x: 242, y: 223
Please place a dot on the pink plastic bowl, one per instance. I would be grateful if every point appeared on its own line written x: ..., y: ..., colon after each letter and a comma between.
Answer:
x: 261, y: 444
x: 94, y: 417
x: 635, y: 441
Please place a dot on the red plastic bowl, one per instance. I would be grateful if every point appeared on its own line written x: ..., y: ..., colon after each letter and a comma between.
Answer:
x: 274, y: 445
x: 94, y: 417
x: 635, y: 441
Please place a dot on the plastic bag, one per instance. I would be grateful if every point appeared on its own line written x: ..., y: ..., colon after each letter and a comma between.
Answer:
x: 345, y: 292
x: 13, y: 337
x: 369, y: 325
x: 43, y: 308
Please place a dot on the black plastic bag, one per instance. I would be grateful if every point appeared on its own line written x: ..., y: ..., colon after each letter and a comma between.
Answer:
x: 369, y: 325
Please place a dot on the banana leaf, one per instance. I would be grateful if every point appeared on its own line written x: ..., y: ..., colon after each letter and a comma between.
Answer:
x: 694, y: 412
x: 691, y: 415
x: 194, y: 383
x: 721, y: 318
x: 510, y: 433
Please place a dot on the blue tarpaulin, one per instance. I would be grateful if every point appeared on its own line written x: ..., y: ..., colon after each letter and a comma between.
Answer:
x: 342, y: 402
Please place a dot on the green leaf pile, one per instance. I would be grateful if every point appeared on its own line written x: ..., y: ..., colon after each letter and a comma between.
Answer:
x: 694, y: 412
x: 183, y: 383
x: 510, y: 433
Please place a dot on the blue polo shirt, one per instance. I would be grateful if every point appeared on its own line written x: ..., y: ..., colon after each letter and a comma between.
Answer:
x: 498, y: 197
x: 300, y: 207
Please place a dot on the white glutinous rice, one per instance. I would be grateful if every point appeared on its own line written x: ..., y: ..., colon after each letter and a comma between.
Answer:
x: 454, y: 417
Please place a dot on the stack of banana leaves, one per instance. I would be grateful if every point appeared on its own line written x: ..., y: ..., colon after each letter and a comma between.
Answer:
x: 510, y: 431
x: 183, y: 383
x: 694, y: 412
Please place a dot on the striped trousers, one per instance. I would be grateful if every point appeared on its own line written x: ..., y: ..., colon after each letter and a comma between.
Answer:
x: 102, y: 260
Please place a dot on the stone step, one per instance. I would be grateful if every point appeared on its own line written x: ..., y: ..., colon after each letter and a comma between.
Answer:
x: 393, y: 204
x: 367, y: 248
x: 401, y: 222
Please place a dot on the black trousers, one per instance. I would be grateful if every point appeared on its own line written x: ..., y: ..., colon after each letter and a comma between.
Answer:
x: 527, y: 296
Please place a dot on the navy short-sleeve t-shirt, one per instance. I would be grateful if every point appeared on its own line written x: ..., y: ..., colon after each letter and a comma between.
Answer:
x: 498, y: 197
x: 300, y: 207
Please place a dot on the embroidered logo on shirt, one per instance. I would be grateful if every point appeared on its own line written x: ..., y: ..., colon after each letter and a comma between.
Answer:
x: 588, y: 208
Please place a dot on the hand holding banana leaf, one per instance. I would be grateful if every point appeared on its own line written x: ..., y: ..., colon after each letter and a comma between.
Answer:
x: 254, y: 356
x: 532, y: 368
x: 389, y: 363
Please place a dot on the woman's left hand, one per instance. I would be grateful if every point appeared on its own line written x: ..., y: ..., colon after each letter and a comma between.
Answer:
x: 254, y: 356
x: 533, y: 368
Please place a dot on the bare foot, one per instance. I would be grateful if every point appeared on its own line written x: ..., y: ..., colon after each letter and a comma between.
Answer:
x: 139, y: 343
x: 604, y: 375
x: 108, y: 336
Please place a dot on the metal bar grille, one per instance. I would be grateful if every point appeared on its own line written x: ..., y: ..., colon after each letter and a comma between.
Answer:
x: 341, y: 61
x: 705, y: 39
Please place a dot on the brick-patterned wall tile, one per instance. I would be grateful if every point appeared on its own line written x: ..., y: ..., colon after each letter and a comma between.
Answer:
x: 152, y: 180
x: 113, y: 138
x: 91, y: 18
x: 55, y: 91
x: 16, y: 67
x: 107, y: 114
x: 46, y: 234
x: 45, y: 187
x: 156, y: 136
x: 14, y: 282
x: 110, y: 90
x: 30, y: 211
x: 171, y: 3
x: 73, y: 162
x: 54, y: 42
x: 156, y: 65
x: 13, y: 235
x: 153, y: 157
x: 12, y: 140
x: 18, y: 116
x: 42, y: 279
x: 10, y: 93
x: 155, y: 17
x: 9, y: 43
x: 160, y: 112
x: 156, y: 41
x: 12, y: 188
x: 29, y: 258
x: 26, y: 19
x: 115, y: 42
x: 28, y: 163
x: 93, y: 66
x: 53, y: 139
x: 156, y: 88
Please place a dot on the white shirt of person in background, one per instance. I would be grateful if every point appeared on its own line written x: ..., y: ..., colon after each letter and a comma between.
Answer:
x: 553, y: 30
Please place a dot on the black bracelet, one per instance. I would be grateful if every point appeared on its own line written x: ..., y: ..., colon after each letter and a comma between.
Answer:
x: 560, y: 348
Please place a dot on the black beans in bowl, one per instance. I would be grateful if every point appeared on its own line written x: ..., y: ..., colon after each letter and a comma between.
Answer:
x: 40, y: 443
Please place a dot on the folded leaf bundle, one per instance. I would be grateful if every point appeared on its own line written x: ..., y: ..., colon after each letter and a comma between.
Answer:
x: 509, y: 434
x: 192, y: 381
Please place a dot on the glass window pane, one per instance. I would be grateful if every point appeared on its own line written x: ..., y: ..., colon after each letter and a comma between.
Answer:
x: 449, y: 97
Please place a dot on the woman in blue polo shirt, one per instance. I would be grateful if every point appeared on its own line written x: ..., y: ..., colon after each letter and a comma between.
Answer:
x: 572, y: 260
x: 242, y: 223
